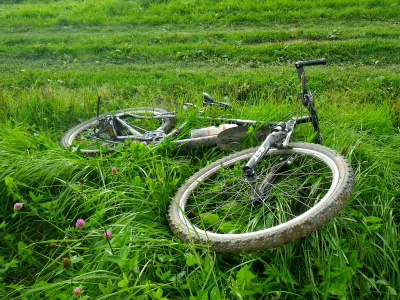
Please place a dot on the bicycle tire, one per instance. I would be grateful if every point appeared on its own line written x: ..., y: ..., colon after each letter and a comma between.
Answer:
x: 210, y: 207
x: 72, y: 136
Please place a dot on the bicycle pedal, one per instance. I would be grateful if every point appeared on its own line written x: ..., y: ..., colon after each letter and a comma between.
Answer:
x: 238, y: 138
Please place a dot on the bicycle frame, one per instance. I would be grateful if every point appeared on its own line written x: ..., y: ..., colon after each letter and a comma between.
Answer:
x: 281, y: 131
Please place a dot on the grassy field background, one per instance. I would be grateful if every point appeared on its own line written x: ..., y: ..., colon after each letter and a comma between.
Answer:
x: 57, y: 57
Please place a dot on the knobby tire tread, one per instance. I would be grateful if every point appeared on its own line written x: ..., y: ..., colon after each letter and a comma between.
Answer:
x: 229, y: 244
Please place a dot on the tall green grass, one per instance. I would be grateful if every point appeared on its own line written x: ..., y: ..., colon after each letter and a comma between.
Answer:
x: 58, y: 57
x: 354, y: 255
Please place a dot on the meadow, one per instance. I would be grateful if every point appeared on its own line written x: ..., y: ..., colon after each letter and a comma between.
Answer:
x: 57, y: 57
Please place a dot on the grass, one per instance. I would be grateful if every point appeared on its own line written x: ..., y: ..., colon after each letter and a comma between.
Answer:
x: 57, y: 57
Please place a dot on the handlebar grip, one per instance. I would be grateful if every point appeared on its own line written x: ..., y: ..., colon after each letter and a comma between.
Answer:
x: 320, y: 61
x: 303, y: 119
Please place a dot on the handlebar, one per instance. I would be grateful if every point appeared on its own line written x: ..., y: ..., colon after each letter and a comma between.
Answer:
x: 320, y: 61
x: 302, y: 76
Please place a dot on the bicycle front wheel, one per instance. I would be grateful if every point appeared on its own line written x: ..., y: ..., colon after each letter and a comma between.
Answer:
x: 81, y: 134
x: 296, y: 191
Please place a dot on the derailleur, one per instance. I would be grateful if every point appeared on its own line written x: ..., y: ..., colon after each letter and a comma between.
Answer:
x: 154, y: 136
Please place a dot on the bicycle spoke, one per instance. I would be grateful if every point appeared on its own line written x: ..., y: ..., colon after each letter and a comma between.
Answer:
x: 286, y: 187
x: 115, y: 127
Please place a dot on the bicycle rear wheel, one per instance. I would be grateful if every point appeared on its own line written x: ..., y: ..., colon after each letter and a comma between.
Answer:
x: 297, y: 190
x: 80, y: 134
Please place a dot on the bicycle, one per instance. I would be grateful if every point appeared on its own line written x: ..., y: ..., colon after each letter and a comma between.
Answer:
x: 153, y: 125
x: 252, y: 200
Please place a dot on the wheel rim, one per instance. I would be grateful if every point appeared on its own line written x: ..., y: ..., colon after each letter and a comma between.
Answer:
x: 81, y: 136
x: 221, y: 202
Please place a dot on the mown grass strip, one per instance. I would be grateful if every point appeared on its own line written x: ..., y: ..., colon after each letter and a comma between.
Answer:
x: 194, y: 12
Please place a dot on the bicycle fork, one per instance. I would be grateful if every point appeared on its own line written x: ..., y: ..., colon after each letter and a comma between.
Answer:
x: 260, y: 190
x: 248, y: 170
